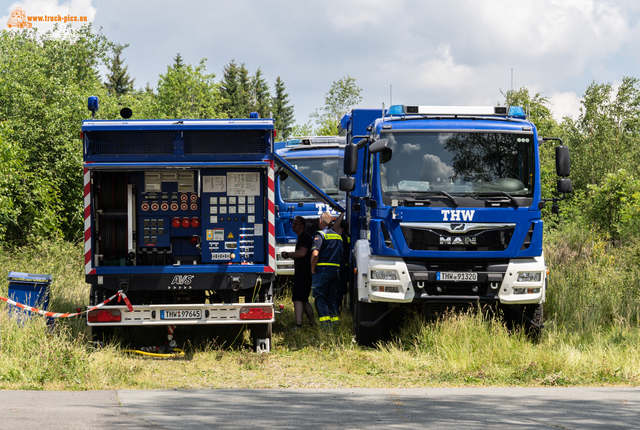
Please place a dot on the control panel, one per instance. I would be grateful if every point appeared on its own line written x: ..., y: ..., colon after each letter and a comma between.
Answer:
x: 233, y: 227
x: 201, y: 216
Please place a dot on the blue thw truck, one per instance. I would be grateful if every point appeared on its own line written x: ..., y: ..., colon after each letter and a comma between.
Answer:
x: 444, y: 205
x: 320, y: 159
x: 180, y: 216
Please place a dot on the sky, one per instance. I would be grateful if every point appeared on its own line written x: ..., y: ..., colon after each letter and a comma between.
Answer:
x: 412, y: 52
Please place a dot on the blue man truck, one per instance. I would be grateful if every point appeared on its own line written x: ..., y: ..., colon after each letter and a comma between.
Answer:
x: 444, y: 205
x: 180, y: 216
x: 320, y: 159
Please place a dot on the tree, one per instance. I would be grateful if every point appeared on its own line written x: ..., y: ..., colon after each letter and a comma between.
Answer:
x: 118, y: 80
x: 282, y: 110
x: 605, y: 137
x: 537, y: 108
x: 260, y: 95
x: 42, y: 105
x: 188, y: 92
x: 341, y: 97
x: 300, y: 130
x: 235, y: 90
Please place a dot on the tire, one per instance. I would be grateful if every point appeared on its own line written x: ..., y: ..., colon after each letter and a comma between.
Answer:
x: 527, y: 318
x: 533, y: 328
x: 369, y: 312
x: 261, y: 337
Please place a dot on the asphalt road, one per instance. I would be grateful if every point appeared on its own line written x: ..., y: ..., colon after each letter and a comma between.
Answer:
x: 430, y: 408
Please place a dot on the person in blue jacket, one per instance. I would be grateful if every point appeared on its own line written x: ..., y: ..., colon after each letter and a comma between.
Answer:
x: 326, y: 255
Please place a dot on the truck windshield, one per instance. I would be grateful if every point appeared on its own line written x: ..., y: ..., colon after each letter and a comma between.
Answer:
x: 324, y: 172
x: 459, y: 163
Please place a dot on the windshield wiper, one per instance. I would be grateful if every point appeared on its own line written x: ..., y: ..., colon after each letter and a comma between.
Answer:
x: 501, y: 193
x: 444, y: 193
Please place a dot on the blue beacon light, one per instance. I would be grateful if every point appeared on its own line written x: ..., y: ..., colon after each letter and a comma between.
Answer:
x: 396, y: 110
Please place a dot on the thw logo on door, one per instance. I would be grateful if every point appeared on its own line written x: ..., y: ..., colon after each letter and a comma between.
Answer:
x: 457, y: 215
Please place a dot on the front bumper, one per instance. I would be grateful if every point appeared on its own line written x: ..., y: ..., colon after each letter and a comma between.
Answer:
x: 284, y: 266
x: 497, y: 283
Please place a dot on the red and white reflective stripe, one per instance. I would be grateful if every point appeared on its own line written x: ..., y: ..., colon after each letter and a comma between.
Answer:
x: 67, y: 315
x: 88, y: 252
x: 271, y: 218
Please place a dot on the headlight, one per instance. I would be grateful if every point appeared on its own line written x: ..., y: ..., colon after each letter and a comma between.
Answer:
x: 529, y: 276
x: 386, y: 275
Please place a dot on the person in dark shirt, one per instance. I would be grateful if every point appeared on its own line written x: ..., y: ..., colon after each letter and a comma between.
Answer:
x: 302, y: 271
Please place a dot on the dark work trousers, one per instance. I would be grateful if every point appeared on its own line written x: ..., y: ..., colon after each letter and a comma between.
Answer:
x: 324, y: 286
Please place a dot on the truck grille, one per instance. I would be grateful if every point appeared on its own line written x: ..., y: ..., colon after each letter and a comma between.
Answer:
x: 457, y: 236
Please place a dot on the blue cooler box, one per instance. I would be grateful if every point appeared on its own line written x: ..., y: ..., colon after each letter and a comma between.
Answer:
x: 29, y: 289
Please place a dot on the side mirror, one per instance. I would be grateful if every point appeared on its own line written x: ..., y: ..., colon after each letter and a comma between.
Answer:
x: 385, y: 155
x: 347, y: 183
x: 563, y: 163
x: 379, y: 146
x: 564, y: 185
x: 283, y: 175
x: 350, y: 159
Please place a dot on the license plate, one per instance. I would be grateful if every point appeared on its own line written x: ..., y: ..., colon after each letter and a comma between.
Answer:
x: 457, y: 276
x: 182, y: 314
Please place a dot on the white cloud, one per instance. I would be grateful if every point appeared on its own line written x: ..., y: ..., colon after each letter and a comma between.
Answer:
x: 565, y: 104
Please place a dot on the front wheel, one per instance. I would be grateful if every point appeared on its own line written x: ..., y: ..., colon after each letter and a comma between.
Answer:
x: 364, y: 314
x: 533, y: 322
x: 527, y: 318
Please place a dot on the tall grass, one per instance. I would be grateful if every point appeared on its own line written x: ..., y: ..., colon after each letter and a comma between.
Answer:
x: 594, y: 285
x: 591, y: 337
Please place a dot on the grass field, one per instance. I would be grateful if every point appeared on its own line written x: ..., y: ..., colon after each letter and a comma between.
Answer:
x: 591, y: 337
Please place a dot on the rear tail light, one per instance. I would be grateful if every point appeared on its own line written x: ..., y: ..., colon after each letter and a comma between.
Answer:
x: 257, y: 313
x: 104, y: 315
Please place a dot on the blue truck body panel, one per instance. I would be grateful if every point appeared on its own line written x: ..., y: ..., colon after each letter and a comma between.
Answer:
x: 318, y: 153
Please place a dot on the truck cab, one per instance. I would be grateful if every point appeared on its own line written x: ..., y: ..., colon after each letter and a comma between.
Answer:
x: 320, y: 159
x: 445, y: 212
